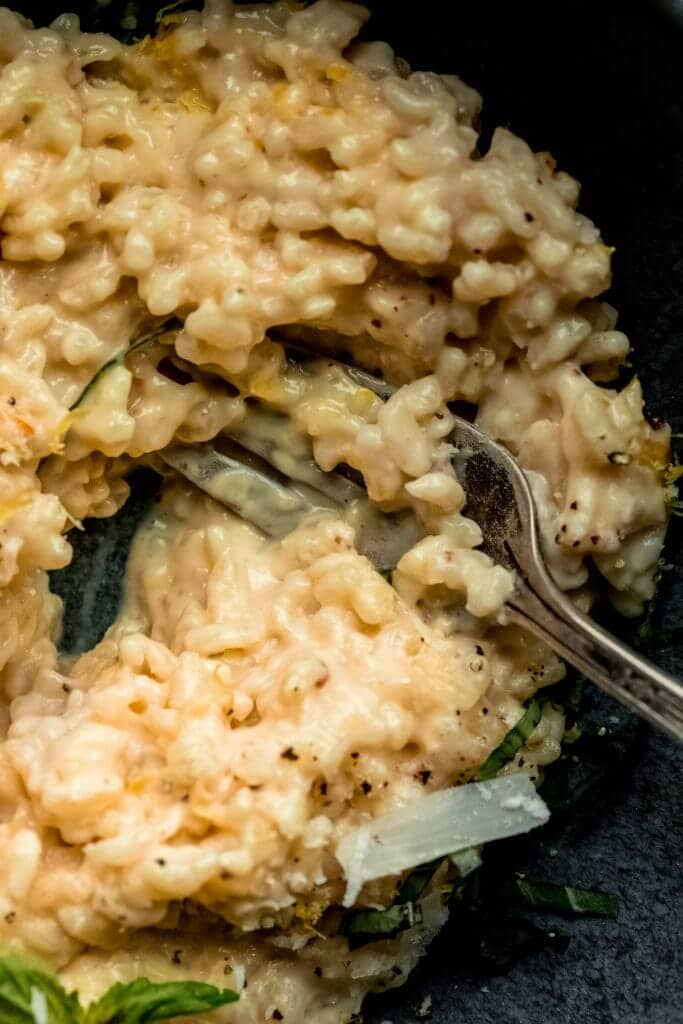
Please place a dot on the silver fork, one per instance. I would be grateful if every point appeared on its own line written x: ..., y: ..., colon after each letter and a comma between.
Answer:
x: 257, y: 478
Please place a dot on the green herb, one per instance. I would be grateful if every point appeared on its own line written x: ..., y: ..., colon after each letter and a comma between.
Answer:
x: 416, y: 882
x: 141, y: 1001
x: 498, y: 943
x: 364, y: 926
x: 120, y: 358
x: 560, y: 899
x: 515, y: 739
x: 28, y: 995
x: 573, y: 734
x: 25, y: 991
x: 488, y: 935
x: 467, y: 861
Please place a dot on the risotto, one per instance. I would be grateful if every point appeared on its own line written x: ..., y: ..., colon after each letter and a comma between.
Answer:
x: 171, y: 801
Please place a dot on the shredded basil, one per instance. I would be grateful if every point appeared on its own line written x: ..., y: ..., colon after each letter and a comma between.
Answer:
x: 560, y: 899
x: 488, y: 934
x: 23, y: 986
x: 515, y: 739
x: 364, y: 926
x: 467, y: 861
x: 120, y: 358
x: 417, y: 881
x: 28, y: 995
x: 142, y: 1002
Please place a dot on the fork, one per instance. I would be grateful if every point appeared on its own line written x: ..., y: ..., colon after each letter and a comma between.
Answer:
x: 254, y: 475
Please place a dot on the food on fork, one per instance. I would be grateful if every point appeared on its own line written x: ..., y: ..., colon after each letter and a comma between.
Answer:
x: 192, y: 797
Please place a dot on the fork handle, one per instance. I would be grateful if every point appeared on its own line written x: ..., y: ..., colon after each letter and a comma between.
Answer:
x: 652, y: 693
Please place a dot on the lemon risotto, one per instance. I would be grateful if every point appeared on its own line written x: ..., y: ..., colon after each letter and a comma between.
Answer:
x: 171, y: 802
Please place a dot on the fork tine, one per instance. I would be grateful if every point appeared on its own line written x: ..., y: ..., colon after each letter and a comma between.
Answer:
x: 263, y: 432
x: 256, y: 495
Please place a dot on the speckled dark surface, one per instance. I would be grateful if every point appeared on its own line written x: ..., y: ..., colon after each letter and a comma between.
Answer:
x: 601, y: 86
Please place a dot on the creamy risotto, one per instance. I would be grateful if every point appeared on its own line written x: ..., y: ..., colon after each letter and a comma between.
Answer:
x: 171, y: 802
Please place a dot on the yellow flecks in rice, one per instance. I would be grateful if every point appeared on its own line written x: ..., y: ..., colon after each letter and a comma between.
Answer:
x: 338, y: 72
x: 257, y: 170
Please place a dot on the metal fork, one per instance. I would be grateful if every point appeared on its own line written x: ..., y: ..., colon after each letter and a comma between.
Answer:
x: 255, y: 477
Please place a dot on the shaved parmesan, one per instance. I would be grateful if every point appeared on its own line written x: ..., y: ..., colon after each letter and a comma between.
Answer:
x: 436, y: 825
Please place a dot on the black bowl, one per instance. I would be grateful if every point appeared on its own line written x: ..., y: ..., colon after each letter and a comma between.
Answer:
x: 600, y: 85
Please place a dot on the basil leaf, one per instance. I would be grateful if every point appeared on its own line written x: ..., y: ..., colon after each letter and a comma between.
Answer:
x: 142, y: 1001
x: 466, y: 861
x: 498, y: 943
x: 29, y: 996
x: 363, y: 926
x: 487, y: 935
x: 120, y: 358
x: 515, y: 739
x: 561, y: 899
x: 416, y: 882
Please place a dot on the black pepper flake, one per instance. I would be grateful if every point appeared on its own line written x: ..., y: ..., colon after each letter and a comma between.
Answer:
x: 484, y: 711
x: 529, y: 217
x: 290, y: 754
x: 424, y: 776
x: 66, y: 688
x: 574, y: 505
x: 396, y: 970
x: 366, y: 787
x: 522, y: 762
x: 185, y: 798
x: 595, y: 538
x: 479, y: 649
x: 161, y: 862
x: 323, y: 788
x: 175, y: 959
x: 477, y: 252
x: 576, y: 543
x: 354, y: 754
x: 11, y: 917
x: 225, y: 875
x: 563, y: 528
x: 318, y: 971
x: 376, y: 323
x: 276, y: 1015
x: 11, y: 400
